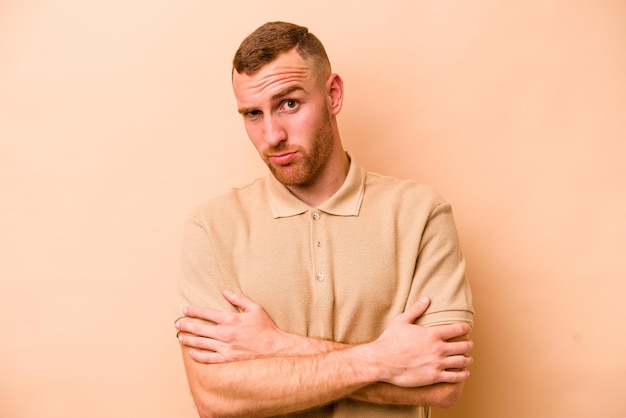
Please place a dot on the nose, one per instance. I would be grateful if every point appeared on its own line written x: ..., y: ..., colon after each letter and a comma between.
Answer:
x: 274, y: 131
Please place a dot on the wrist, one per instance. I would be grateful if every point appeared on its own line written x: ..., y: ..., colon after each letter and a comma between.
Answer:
x: 295, y: 344
x: 369, y: 361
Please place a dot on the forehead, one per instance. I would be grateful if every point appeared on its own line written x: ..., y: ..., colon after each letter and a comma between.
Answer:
x: 286, y: 71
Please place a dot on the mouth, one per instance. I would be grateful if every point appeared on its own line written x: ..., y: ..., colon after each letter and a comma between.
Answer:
x: 283, y: 159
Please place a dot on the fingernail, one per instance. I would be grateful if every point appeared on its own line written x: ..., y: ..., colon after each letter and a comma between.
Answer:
x: 424, y: 299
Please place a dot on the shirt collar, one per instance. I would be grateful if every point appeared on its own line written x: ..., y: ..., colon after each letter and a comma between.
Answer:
x: 345, y: 202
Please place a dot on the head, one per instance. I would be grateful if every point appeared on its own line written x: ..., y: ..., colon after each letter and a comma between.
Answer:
x: 270, y: 40
x: 289, y: 98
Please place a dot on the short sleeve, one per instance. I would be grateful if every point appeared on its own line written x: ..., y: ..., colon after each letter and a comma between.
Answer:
x: 201, y: 282
x: 440, y: 272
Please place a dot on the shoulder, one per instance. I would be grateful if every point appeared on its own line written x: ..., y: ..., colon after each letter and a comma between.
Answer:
x: 235, y: 201
x: 402, y: 192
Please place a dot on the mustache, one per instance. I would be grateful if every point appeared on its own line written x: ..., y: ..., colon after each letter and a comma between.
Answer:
x: 281, y: 149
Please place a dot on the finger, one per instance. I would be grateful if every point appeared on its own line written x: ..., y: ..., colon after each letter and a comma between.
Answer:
x: 192, y: 341
x: 207, y: 314
x: 239, y: 300
x: 461, y: 348
x: 457, y: 363
x: 206, y: 357
x: 196, y: 328
x: 451, y: 331
x: 461, y: 338
x: 416, y: 310
x: 450, y: 376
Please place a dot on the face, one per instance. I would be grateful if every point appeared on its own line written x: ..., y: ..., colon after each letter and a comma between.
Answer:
x: 287, y: 117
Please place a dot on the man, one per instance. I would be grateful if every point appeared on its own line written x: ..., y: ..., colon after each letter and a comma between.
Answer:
x: 308, y: 292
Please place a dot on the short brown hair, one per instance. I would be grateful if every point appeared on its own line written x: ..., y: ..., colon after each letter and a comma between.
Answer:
x: 270, y: 40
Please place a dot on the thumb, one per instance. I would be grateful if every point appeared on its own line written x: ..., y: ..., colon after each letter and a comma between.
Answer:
x: 238, y: 300
x: 416, y: 310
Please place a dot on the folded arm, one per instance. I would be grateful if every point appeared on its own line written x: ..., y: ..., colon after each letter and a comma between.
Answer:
x: 246, y: 365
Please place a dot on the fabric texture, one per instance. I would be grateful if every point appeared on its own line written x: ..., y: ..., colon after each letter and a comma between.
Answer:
x: 341, y: 271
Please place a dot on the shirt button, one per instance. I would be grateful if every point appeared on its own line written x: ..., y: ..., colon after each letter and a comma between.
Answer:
x: 316, y: 216
x: 320, y: 277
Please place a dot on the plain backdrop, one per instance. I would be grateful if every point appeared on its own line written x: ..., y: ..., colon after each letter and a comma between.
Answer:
x: 117, y: 117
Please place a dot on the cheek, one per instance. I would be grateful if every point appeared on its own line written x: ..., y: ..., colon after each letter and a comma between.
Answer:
x: 255, y: 135
x: 305, y: 125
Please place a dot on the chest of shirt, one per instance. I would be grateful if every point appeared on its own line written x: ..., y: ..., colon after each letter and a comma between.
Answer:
x: 337, y: 277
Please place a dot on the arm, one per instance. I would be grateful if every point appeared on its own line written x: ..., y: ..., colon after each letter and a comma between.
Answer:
x: 250, y: 361
x: 442, y: 395
x: 272, y: 386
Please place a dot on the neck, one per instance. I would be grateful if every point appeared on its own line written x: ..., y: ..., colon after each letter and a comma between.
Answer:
x: 328, y: 182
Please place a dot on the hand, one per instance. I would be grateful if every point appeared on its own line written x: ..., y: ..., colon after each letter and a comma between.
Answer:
x: 413, y: 355
x: 234, y: 337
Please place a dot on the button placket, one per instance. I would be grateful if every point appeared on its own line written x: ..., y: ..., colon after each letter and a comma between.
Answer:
x: 317, y: 247
x: 321, y: 273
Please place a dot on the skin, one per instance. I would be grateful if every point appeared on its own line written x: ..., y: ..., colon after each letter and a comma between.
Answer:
x: 246, y: 366
x: 242, y: 364
x: 289, y: 112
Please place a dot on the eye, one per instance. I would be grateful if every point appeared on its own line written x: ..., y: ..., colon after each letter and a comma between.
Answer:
x: 289, y: 104
x: 252, y: 114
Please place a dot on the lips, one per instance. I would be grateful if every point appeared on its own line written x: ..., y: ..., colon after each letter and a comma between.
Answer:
x: 282, y: 159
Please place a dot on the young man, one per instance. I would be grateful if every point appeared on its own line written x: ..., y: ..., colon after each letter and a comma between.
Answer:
x: 322, y: 289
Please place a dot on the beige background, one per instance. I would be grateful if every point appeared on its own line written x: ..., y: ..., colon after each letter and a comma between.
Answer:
x: 117, y: 117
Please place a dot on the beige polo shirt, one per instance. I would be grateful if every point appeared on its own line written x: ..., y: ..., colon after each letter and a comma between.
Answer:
x: 341, y: 271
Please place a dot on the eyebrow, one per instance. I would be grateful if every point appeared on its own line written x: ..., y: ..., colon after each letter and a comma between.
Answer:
x: 286, y: 91
x: 278, y: 95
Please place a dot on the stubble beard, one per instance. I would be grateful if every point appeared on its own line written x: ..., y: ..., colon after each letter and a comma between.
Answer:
x: 310, y: 164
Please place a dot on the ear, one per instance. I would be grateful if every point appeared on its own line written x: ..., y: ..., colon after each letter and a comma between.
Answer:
x: 334, y: 90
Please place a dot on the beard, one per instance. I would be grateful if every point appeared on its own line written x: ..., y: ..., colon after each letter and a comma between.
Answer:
x: 309, y: 164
